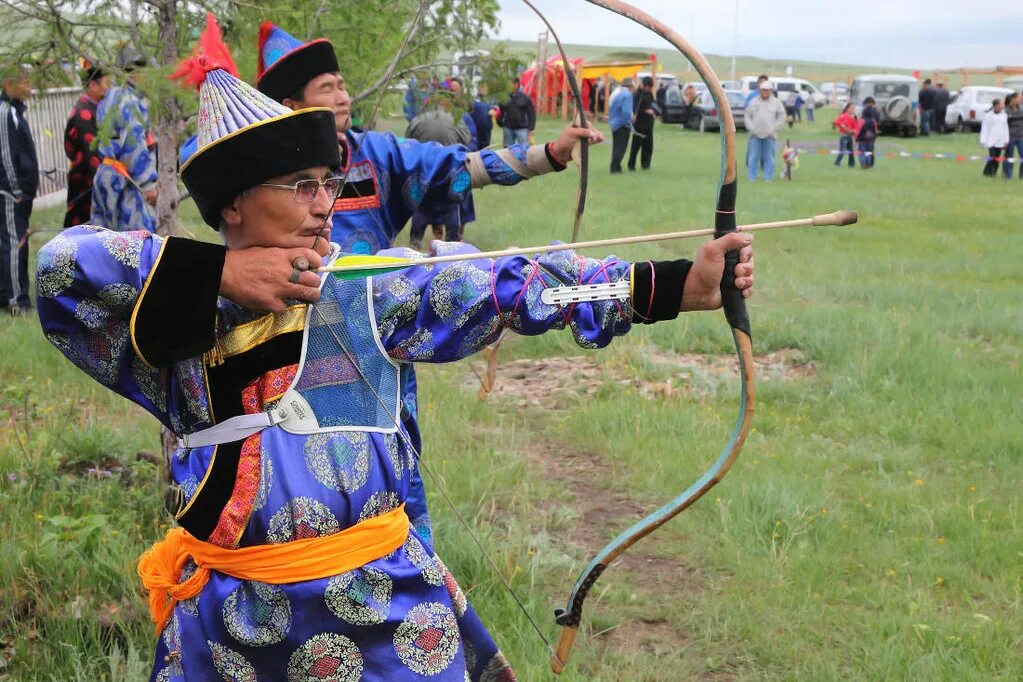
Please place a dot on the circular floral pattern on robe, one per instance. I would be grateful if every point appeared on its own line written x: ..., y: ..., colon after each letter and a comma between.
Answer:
x: 328, y: 657
x: 266, y: 479
x: 189, y: 486
x: 458, y: 292
x: 189, y: 606
x: 427, y: 639
x: 360, y: 597
x: 301, y: 518
x: 257, y: 614
x: 418, y: 345
x: 56, y: 267
x: 380, y: 503
x: 231, y: 665
x: 172, y: 640
x: 125, y: 247
x: 395, y: 454
x: 397, y: 304
x: 119, y: 298
x: 458, y: 600
x: 92, y: 314
x: 149, y: 382
x: 419, y: 558
x: 100, y: 352
x: 339, y: 461
x: 497, y: 670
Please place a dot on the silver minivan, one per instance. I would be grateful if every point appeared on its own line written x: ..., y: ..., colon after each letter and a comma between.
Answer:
x: 897, y: 99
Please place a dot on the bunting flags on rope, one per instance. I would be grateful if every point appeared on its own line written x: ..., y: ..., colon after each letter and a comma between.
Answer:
x: 962, y: 158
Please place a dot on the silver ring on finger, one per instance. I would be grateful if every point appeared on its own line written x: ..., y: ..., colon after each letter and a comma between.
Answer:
x: 295, y: 273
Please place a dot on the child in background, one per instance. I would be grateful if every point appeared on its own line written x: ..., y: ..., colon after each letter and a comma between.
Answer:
x: 791, y: 157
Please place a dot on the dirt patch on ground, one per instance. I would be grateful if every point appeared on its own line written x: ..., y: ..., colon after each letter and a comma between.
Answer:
x: 600, y: 514
x: 549, y: 382
x: 604, y: 512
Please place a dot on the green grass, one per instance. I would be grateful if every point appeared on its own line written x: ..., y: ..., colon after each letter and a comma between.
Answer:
x: 870, y: 530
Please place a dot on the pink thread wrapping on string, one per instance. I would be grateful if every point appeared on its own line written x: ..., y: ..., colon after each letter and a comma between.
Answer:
x: 525, y: 285
x: 493, y: 293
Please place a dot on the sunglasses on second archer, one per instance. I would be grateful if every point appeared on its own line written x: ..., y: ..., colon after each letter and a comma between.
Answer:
x: 306, y: 190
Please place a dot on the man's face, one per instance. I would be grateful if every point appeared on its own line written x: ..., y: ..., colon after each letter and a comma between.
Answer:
x: 765, y: 93
x: 456, y: 87
x: 98, y: 87
x: 271, y: 217
x: 326, y: 90
x: 998, y: 106
x: 18, y: 88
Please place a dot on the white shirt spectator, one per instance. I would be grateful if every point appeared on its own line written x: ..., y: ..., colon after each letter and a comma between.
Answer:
x: 994, y: 130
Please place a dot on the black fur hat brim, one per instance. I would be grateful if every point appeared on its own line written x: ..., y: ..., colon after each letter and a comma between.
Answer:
x: 220, y: 171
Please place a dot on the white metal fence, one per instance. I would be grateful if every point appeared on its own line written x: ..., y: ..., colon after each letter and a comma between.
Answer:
x: 47, y: 114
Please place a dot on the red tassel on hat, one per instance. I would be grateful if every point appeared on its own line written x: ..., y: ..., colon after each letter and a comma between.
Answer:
x: 209, y: 53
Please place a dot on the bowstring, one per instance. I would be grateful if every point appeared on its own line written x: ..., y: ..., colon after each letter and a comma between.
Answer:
x: 434, y: 479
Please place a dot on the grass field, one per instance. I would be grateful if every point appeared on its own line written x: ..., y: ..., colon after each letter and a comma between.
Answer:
x: 870, y: 530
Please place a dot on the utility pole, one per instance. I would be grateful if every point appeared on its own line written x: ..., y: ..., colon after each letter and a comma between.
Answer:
x: 735, y: 39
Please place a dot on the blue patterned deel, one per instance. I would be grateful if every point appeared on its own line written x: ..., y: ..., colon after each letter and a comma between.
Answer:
x: 402, y: 617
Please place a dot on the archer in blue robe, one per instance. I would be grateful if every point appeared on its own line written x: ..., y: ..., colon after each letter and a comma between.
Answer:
x: 127, y: 169
x: 192, y: 360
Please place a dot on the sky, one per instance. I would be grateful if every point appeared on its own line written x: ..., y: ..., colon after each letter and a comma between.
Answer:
x: 911, y: 34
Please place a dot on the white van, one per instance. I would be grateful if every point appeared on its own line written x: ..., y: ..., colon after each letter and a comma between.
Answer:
x: 784, y: 85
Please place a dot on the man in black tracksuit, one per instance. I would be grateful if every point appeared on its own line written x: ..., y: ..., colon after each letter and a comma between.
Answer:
x: 643, y: 126
x: 19, y: 180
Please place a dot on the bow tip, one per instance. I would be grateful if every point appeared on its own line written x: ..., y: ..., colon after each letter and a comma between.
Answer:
x: 559, y: 659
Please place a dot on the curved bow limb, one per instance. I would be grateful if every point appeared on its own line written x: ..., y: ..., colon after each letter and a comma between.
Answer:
x: 735, y: 312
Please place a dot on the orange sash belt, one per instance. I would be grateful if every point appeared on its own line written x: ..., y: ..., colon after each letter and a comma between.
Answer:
x: 290, y: 562
x: 117, y: 166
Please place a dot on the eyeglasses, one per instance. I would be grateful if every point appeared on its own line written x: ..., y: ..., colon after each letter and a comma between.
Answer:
x: 307, y: 190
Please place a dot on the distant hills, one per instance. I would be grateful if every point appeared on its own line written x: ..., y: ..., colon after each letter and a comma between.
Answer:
x: 745, y: 65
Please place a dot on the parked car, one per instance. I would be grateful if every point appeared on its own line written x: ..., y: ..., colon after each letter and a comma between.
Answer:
x: 897, y: 101
x: 709, y: 118
x: 662, y: 79
x: 836, y: 93
x: 784, y: 85
x: 967, y: 108
x: 674, y: 111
